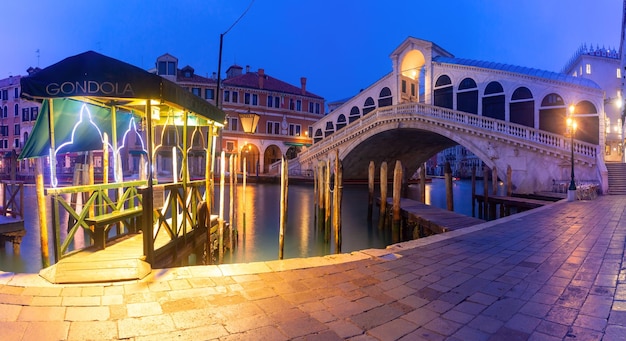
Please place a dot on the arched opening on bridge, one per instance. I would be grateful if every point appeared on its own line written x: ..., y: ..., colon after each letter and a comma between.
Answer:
x: 493, y: 101
x: 443, y: 94
x: 411, y: 76
x: 292, y: 152
x: 368, y: 106
x: 522, y: 107
x: 330, y: 129
x: 272, y: 154
x: 355, y: 114
x: 341, y: 121
x: 467, y: 96
x: 318, y: 136
x: 588, y: 122
x: 384, y: 98
x: 552, y: 114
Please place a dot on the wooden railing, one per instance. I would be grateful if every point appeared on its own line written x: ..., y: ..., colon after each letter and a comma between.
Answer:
x: 13, y: 199
x: 76, y: 204
x: 462, y: 121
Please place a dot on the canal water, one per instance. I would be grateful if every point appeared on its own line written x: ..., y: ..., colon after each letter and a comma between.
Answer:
x: 259, y: 240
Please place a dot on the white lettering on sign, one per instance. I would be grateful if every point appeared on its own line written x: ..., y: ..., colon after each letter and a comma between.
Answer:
x: 90, y: 88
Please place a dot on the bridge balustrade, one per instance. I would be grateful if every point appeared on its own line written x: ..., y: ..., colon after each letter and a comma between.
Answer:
x: 463, y: 120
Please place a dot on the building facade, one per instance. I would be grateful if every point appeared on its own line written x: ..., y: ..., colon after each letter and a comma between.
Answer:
x: 286, y: 113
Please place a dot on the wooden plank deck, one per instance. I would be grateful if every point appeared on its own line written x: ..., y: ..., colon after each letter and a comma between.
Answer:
x: 437, y: 219
x: 119, y: 261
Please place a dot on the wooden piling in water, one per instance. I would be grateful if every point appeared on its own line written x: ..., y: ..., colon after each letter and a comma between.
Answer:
x: 220, y: 219
x: 41, y: 205
x: 509, y: 181
x: 397, y: 193
x: 337, y: 197
x: 494, y: 180
x: 485, y: 193
x: 284, y: 184
x: 231, y: 179
x: 383, y: 195
x: 370, y: 188
x: 449, y: 195
x: 327, y: 199
x: 473, y: 191
x: 423, y: 183
x: 320, y: 195
x: 243, y: 195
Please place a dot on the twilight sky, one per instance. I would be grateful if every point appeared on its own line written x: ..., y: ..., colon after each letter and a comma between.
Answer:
x: 341, y: 46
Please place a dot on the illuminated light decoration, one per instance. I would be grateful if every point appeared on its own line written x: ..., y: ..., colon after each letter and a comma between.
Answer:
x: 132, y: 127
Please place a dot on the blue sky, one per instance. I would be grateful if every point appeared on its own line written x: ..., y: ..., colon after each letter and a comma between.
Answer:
x: 341, y: 46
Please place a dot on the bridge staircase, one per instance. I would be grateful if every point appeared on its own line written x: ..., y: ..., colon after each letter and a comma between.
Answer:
x: 617, y: 177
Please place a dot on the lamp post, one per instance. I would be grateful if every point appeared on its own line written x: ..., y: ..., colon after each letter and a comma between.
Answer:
x: 571, y: 127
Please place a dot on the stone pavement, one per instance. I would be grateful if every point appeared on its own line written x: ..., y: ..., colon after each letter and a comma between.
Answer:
x: 553, y: 273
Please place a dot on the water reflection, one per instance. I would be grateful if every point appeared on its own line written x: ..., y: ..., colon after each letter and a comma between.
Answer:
x: 258, y: 240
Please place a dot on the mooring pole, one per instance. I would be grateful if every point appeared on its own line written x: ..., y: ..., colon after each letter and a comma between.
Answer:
x: 494, y: 180
x: 370, y: 187
x: 284, y: 187
x: 423, y: 183
x: 486, y: 192
x: 509, y: 181
x: 337, y: 201
x: 473, y: 191
x: 397, y: 193
x: 220, y: 242
x: 449, y: 195
x: 383, y: 195
x: 41, y: 205
x: 327, y: 199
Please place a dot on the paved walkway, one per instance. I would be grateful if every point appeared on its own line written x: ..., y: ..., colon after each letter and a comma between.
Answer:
x: 554, y: 273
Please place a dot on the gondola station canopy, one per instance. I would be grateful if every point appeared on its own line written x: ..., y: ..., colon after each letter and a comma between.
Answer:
x: 103, y: 82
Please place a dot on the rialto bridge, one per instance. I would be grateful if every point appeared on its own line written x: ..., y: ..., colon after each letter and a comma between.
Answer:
x: 505, y: 115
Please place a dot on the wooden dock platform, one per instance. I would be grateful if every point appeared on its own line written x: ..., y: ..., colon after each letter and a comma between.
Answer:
x: 122, y: 260
x: 434, y: 219
x: 506, y: 205
x: 11, y: 230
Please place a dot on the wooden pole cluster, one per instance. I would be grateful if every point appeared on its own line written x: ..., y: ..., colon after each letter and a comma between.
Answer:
x: 328, y: 201
x: 284, y: 186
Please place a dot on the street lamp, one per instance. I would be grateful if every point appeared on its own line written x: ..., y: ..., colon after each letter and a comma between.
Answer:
x: 571, y: 127
x: 249, y: 121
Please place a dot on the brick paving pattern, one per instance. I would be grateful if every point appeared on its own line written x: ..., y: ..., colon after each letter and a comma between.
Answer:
x: 553, y: 273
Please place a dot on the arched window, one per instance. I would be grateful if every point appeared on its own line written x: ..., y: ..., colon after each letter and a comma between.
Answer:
x: 341, y: 121
x: 355, y: 113
x: 443, y: 92
x: 522, y: 107
x: 368, y: 106
x: 552, y: 114
x: 493, y: 101
x: 587, y: 121
x: 467, y: 96
x: 318, y: 136
x: 330, y: 129
x: 384, y: 98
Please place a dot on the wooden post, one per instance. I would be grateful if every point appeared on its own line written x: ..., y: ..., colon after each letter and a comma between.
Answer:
x: 473, y: 191
x: 494, y: 180
x: 337, y: 201
x: 423, y: 183
x: 284, y: 187
x: 397, y: 193
x: 231, y: 210
x: 509, y: 181
x: 449, y: 195
x: 486, y: 193
x: 383, y: 195
x: 105, y: 159
x: 41, y: 205
x: 220, y: 218
x: 243, y: 194
x: 320, y: 191
x: 370, y: 187
x: 327, y: 199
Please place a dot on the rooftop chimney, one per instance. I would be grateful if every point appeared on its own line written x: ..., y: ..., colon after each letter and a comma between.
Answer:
x: 247, y: 68
x: 261, y: 78
x: 303, y: 85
